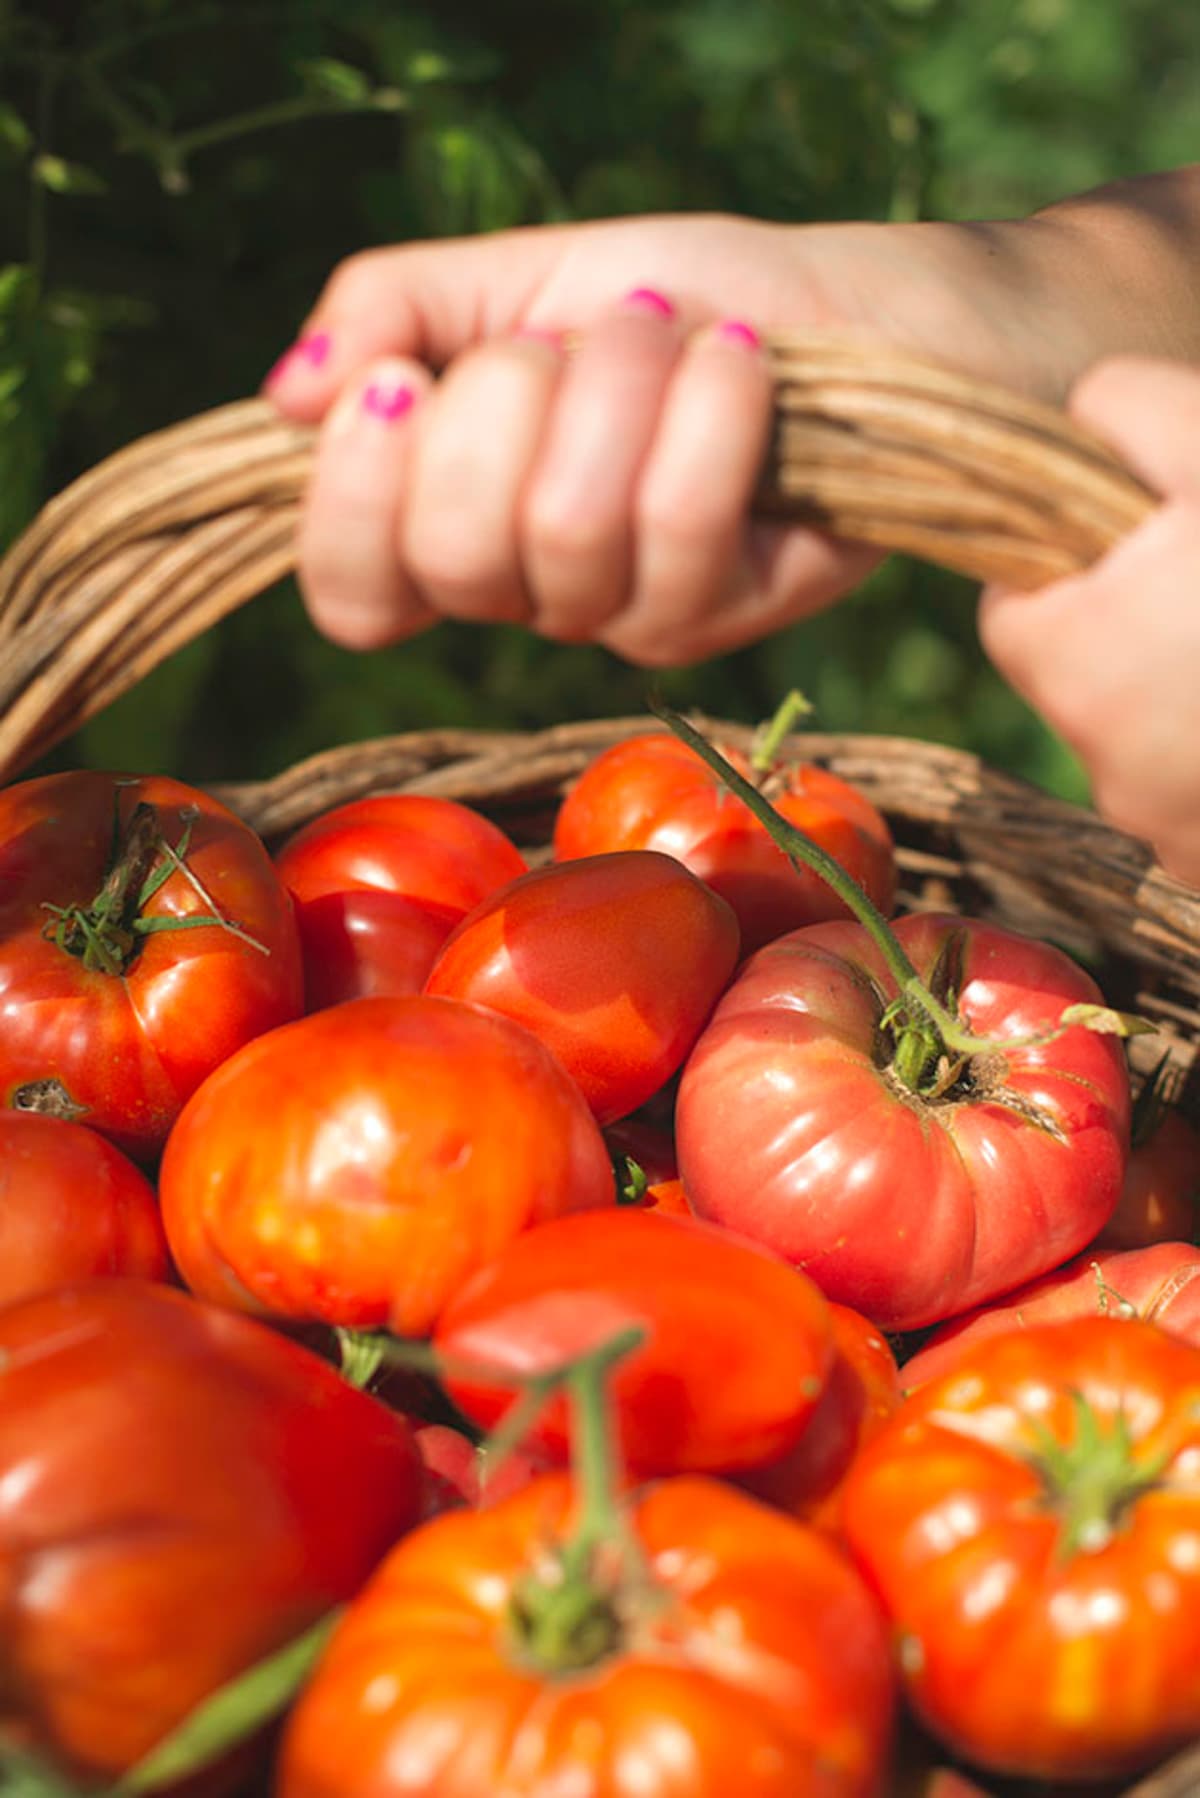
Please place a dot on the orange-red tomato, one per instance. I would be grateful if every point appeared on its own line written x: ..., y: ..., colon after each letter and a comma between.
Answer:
x: 123, y: 1023
x: 357, y: 1166
x: 71, y: 1206
x: 1160, y: 1201
x: 743, y: 1655
x: 181, y: 1493
x: 1160, y: 1283
x: 737, y: 1350
x: 861, y: 1393
x: 379, y: 883
x: 614, y: 961
x: 1031, y: 1521
x: 654, y: 792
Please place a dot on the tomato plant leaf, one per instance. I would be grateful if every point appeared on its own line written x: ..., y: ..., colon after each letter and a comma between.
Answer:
x: 26, y: 1774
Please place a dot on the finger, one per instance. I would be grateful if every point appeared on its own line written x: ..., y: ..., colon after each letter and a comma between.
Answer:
x: 575, y: 523
x: 696, y: 486
x: 424, y: 301
x: 1150, y: 412
x: 477, y: 440
x: 350, y: 575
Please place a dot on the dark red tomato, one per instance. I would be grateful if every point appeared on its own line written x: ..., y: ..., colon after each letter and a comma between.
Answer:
x: 181, y: 1492
x: 119, y: 1021
x: 1160, y: 1283
x: 614, y: 961
x: 644, y: 1159
x: 653, y: 792
x: 793, y: 1125
x: 365, y: 945
x: 739, y: 1656
x: 71, y: 1206
x: 1031, y: 1521
x: 860, y: 1395
x: 737, y: 1351
x: 357, y: 1166
x: 1160, y: 1201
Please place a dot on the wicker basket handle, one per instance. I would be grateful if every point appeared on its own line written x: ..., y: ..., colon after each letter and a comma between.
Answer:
x: 160, y: 540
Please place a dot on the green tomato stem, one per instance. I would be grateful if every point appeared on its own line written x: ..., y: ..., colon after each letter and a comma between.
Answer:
x: 767, y: 746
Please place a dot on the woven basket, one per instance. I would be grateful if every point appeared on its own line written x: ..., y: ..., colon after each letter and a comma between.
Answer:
x: 170, y: 534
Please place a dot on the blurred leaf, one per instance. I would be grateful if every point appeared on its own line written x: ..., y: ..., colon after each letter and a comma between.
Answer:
x: 63, y: 177
x: 15, y: 135
x: 324, y: 75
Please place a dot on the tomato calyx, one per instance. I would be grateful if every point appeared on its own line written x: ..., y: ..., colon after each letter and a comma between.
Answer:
x: 1092, y: 1481
x: 106, y: 935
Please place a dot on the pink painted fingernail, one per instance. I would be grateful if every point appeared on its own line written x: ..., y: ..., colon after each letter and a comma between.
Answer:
x: 387, y: 403
x: 311, y: 351
x: 735, y: 331
x: 648, y: 299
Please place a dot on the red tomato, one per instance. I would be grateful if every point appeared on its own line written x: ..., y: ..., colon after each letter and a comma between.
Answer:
x: 1160, y: 1201
x: 653, y: 792
x: 458, y: 1473
x: 738, y: 1346
x: 1031, y: 1520
x: 862, y: 1391
x: 71, y: 1206
x: 356, y: 1166
x: 1160, y: 1283
x: 793, y: 1128
x: 122, y: 1024
x: 181, y: 1493
x: 418, y: 864
x: 615, y: 962
x: 747, y: 1658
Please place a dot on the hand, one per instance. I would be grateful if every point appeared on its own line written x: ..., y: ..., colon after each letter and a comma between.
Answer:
x: 1111, y: 658
x: 601, y: 493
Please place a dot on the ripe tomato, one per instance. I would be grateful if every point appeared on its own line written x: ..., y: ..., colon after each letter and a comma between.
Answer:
x: 614, y: 961
x: 794, y: 1128
x: 356, y: 1166
x: 1160, y: 1283
x: 379, y: 884
x: 861, y: 1393
x: 738, y: 1346
x: 1160, y: 1201
x: 747, y: 1658
x: 459, y: 1473
x: 120, y: 1020
x: 71, y: 1206
x: 1031, y: 1520
x: 653, y: 792
x: 181, y: 1493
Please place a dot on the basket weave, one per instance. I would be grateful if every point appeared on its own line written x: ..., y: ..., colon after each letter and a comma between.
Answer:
x: 167, y: 536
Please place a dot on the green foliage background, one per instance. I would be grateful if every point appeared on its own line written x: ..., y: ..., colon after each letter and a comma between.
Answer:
x: 178, y: 177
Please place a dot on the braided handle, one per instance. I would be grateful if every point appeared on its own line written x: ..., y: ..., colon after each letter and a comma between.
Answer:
x: 875, y: 446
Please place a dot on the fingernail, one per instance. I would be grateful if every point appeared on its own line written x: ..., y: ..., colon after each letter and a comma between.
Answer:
x: 648, y: 299
x: 387, y: 403
x: 312, y: 350
x: 735, y: 331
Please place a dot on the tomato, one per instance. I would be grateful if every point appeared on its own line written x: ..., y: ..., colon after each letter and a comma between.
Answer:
x: 414, y: 864
x: 861, y: 1393
x: 356, y: 1166
x: 794, y: 1127
x: 1031, y: 1520
x: 1160, y: 1201
x: 653, y: 792
x: 181, y: 1492
x: 1160, y: 1283
x: 749, y: 1658
x: 71, y: 1206
x: 119, y: 1023
x: 459, y: 1473
x: 738, y: 1346
x: 614, y: 961
x: 644, y: 1159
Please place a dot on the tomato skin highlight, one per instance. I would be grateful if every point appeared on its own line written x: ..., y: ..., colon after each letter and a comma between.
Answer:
x: 788, y: 1131
x: 654, y: 792
x: 762, y: 1671
x: 1024, y: 1650
x: 129, y: 1049
x: 614, y: 961
x: 737, y: 1352
x: 71, y: 1207
x: 181, y: 1492
x: 406, y: 1141
x: 367, y: 945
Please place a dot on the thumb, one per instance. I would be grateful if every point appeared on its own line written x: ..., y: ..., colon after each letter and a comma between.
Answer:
x: 426, y: 301
x: 1149, y: 411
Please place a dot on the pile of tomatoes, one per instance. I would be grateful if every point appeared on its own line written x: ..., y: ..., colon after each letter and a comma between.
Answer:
x: 635, y: 1326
